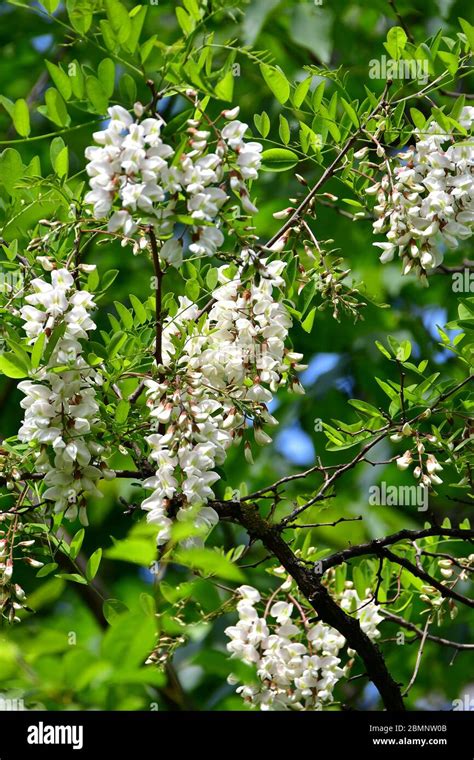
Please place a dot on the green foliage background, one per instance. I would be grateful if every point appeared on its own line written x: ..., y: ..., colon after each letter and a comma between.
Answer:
x: 62, y: 657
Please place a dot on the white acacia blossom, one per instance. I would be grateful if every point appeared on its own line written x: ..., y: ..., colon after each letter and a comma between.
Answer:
x: 227, y: 369
x: 60, y: 404
x: 298, y: 663
x: 136, y: 178
x: 428, y: 202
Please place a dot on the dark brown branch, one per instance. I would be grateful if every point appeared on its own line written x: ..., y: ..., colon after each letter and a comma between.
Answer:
x: 327, y: 174
x: 327, y: 524
x: 401, y: 20
x: 451, y: 94
x: 459, y: 269
x: 397, y: 620
x: 158, y: 291
x: 374, y: 546
x: 418, y: 572
x: 318, y: 596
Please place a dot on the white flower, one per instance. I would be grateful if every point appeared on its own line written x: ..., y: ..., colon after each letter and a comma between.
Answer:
x: 134, y: 182
x: 282, y: 611
x: 172, y: 252
x: 233, y: 133
x: 249, y: 593
x: 60, y: 407
x: 428, y: 205
x: 294, y: 673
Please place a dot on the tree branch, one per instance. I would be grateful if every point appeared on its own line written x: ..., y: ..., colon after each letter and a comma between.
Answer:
x: 327, y: 174
x: 397, y: 620
x: 318, y: 596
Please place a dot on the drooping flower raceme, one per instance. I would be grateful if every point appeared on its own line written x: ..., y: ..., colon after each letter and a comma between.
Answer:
x: 138, y: 179
x: 427, y: 204
x: 227, y: 366
x: 298, y: 663
x: 60, y: 404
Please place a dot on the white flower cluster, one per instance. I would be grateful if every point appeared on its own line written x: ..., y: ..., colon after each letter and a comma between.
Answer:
x: 428, y: 203
x: 298, y: 663
x: 425, y: 466
x: 227, y: 369
x: 60, y: 400
x: 12, y: 595
x: 133, y: 171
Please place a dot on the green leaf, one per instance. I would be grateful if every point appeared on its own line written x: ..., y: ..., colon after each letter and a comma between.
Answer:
x: 418, y: 118
x: 119, y: 20
x: 307, y: 324
x: 351, y: 112
x: 122, y: 410
x: 47, y: 570
x: 284, y: 130
x: 396, y: 41
x: 317, y: 98
x: 117, y: 342
x: 137, y: 551
x: 37, y: 351
x: 61, y: 164
x: 301, y: 92
x: 139, y: 309
x: 391, y: 393
x: 278, y: 159
x: 276, y: 81
x: 76, y: 78
x: 57, y: 333
x: 209, y: 562
x: 129, y: 640
x: 137, y: 18
x: 309, y: 139
x: 192, y: 289
x: 96, y: 95
x: 403, y: 351
x: 108, y: 36
x: 212, y: 278
x: 330, y: 123
x: 93, y: 565
x: 468, y: 30
x: 363, y: 406
x: 112, y: 608
x: 50, y: 5
x: 360, y: 581
x: 109, y: 278
x: 262, y: 122
x: 21, y: 117
x: 128, y: 88
x: 382, y: 349
x: 8, y: 105
x: 451, y: 61
x: 186, y: 22
x: 74, y: 577
x: 56, y: 110
x: 59, y: 154
x: 80, y: 15
x: 76, y: 543
x: 12, y: 366
x: 106, y: 74
x: 124, y: 314
x: 311, y: 28
x: 224, y: 90
x: 60, y: 79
